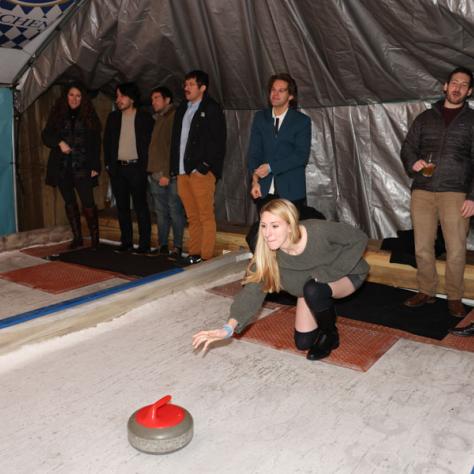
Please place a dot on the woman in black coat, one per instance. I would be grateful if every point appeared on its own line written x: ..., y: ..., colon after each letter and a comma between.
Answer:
x: 73, y: 134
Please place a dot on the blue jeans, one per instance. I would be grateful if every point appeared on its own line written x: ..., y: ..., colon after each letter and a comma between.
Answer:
x: 169, y: 211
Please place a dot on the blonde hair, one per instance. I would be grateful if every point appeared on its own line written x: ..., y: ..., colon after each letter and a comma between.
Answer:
x: 264, y: 266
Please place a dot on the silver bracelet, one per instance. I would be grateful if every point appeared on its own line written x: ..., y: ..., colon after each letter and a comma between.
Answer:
x: 229, y: 330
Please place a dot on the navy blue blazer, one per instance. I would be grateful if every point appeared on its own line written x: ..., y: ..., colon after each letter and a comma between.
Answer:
x: 287, y: 152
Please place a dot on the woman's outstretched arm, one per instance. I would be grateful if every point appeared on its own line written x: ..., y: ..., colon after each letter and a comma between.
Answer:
x: 205, y: 338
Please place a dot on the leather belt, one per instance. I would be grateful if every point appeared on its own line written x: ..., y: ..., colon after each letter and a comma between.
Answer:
x: 127, y: 162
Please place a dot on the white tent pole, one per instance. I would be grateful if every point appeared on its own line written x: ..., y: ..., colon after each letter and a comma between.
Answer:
x: 78, y: 4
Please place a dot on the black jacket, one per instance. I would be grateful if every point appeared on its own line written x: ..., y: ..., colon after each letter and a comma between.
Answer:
x: 453, y: 148
x: 205, y: 148
x: 51, y: 136
x: 143, y: 127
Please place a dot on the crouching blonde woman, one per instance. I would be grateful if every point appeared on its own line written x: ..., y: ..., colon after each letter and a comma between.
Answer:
x: 317, y: 261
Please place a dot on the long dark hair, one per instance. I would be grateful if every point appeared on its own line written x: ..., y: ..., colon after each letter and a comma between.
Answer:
x: 87, y: 113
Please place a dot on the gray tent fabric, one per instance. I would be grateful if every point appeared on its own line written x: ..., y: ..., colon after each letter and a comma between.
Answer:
x: 354, y: 173
x: 343, y: 52
x: 364, y: 69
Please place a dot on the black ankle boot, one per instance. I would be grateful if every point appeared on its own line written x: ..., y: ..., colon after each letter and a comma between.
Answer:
x: 92, y: 218
x: 324, y: 344
x: 74, y: 218
x: 328, y: 337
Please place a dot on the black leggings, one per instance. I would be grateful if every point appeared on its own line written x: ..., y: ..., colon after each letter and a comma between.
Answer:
x: 318, y: 297
x: 68, y: 183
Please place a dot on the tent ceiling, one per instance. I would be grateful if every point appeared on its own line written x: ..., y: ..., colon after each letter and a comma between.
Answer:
x: 341, y: 52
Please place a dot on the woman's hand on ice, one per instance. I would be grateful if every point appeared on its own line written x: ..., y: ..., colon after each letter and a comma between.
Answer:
x: 205, y: 338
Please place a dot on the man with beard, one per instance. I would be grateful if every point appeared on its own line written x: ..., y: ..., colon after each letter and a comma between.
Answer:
x: 163, y: 189
x: 126, y: 140
x: 438, y: 153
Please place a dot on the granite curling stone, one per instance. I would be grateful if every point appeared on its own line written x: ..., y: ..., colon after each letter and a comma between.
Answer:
x: 160, y: 428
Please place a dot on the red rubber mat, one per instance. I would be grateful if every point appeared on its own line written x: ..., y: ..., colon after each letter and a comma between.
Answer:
x: 56, y: 277
x: 46, y: 250
x: 361, y: 343
x: 359, y: 348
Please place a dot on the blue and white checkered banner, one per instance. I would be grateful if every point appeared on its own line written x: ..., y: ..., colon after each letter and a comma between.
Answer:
x: 21, y: 21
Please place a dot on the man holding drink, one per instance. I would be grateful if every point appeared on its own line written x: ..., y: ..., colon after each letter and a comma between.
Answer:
x: 428, y: 169
x: 438, y: 153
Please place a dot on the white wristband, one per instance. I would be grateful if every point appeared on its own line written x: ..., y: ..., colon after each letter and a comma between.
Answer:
x: 229, y: 330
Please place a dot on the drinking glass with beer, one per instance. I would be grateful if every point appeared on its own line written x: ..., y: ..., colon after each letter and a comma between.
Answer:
x: 428, y: 170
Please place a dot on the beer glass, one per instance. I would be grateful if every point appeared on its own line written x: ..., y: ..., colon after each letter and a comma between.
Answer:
x: 428, y: 170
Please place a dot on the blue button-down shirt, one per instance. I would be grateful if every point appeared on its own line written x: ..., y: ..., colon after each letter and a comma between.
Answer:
x: 186, y: 125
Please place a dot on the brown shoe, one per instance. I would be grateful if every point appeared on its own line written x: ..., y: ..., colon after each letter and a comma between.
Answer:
x: 456, y: 308
x: 419, y: 300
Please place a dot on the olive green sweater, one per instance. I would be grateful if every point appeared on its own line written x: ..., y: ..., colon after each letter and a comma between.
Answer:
x: 333, y: 250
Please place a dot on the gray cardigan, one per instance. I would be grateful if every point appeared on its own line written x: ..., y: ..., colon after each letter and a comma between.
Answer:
x: 333, y: 250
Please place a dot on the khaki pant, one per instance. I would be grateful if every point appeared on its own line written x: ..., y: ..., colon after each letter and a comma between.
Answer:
x: 427, y: 208
x: 197, y: 195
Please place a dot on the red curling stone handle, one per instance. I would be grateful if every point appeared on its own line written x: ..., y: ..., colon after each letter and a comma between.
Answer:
x: 157, y: 405
x: 160, y: 414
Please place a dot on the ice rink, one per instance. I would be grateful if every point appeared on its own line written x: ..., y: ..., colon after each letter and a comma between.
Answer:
x: 65, y: 401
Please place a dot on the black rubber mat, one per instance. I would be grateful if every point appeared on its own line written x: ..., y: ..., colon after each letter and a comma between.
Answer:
x: 383, y: 305
x: 127, y: 263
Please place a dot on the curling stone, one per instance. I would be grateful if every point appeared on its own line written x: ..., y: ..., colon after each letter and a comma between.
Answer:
x: 160, y: 428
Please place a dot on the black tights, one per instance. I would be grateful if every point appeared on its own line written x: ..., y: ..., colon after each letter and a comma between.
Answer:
x: 318, y: 297
x: 84, y: 188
